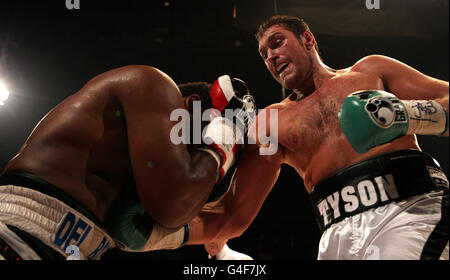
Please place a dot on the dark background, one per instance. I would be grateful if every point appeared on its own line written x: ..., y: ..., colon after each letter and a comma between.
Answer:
x: 48, y: 52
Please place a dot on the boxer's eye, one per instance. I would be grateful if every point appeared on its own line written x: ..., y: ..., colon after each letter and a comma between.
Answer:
x: 263, y: 55
x: 277, y: 43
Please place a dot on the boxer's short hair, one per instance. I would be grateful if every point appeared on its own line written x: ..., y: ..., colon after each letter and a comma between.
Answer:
x: 202, y: 89
x: 294, y: 24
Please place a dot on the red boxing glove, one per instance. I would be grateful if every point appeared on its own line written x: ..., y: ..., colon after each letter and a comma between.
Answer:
x: 233, y: 112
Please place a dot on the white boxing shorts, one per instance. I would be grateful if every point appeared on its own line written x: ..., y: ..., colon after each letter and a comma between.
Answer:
x: 391, y: 207
x: 35, y: 225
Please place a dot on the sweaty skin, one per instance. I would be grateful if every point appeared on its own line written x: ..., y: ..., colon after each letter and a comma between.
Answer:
x: 115, y: 132
x: 309, y: 135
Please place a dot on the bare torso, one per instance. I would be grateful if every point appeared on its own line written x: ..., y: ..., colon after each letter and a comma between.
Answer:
x: 310, y: 134
x: 81, y: 147
x: 115, y: 133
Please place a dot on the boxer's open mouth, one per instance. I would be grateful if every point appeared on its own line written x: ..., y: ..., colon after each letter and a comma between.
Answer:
x: 281, y: 68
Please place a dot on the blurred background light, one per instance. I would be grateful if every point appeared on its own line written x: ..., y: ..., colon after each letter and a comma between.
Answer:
x: 4, y: 93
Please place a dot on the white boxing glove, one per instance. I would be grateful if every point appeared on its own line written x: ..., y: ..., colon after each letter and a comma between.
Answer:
x: 227, y: 254
x: 233, y: 111
x: 223, y: 137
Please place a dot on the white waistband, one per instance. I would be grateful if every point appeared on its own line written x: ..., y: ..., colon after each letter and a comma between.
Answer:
x: 53, y: 222
x: 17, y: 244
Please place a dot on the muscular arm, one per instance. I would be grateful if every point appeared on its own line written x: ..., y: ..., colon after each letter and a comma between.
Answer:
x: 233, y: 213
x: 173, y: 184
x: 404, y: 81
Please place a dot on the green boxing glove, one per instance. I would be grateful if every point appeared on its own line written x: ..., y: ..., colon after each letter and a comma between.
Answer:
x: 133, y: 230
x: 374, y: 117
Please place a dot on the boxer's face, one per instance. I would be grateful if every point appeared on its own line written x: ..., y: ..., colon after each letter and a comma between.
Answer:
x: 286, y: 56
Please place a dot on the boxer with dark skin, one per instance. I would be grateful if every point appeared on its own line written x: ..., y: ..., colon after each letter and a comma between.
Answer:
x: 115, y: 132
x: 310, y: 138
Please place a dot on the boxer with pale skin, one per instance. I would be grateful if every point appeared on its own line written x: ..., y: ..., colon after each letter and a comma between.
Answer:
x: 318, y: 136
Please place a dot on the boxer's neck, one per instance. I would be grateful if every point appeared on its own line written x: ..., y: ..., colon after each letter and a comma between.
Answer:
x: 319, y: 74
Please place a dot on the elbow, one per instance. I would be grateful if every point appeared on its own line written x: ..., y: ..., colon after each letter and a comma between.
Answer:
x: 182, y: 202
x: 173, y: 211
x: 176, y: 200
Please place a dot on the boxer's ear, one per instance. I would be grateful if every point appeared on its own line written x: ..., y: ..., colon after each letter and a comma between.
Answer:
x: 308, y: 40
x: 189, y: 102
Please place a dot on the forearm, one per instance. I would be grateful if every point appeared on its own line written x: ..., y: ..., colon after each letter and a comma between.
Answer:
x: 193, y: 188
x: 444, y: 102
x: 233, y: 213
x: 427, y: 117
x: 432, y: 106
x: 408, y: 83
x: 212, y: 226
x: 184, y: 181
x: 206, y: 226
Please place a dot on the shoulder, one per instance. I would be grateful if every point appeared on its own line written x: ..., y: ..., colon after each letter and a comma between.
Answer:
x: 136, y: 74
x: 136, y: 70
x: 277, y: 106
x: 373, y: 64
x: 142, y: 83
x: 129, y: 78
